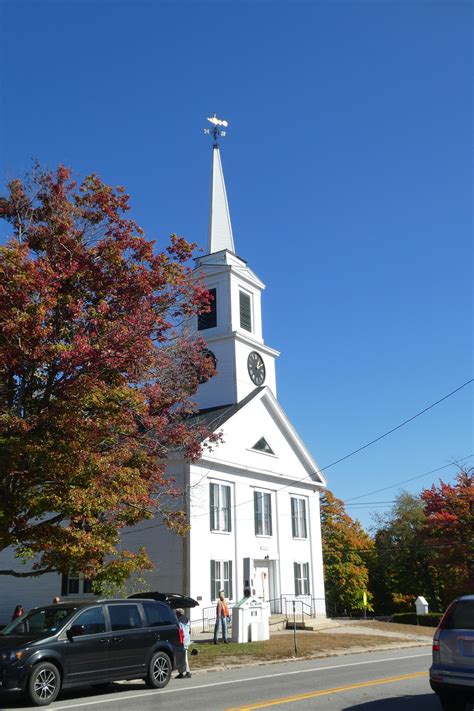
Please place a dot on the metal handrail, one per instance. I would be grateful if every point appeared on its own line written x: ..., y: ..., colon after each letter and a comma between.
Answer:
x: 305, y: 607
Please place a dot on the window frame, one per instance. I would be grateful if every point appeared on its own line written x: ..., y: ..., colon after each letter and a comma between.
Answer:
x: 84, y: 585
x: 262, y: 513
x: 243, y: 306
x: 301, y: 576
x: 219, y: 579
x: 208, y: 319
x: 220, y: 514
x: 299, y: 519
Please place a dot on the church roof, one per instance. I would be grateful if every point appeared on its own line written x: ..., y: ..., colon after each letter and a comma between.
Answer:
x: 214, y: 417
x: 220, y: 228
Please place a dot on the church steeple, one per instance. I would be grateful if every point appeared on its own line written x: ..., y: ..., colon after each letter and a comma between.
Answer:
x: 220, y: 227
x: 232, y: 328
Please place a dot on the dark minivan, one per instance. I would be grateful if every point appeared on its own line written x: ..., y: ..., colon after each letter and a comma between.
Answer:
x: 93, y: 643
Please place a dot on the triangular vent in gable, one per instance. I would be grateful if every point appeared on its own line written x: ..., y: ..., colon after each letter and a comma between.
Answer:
x: 263, y: 446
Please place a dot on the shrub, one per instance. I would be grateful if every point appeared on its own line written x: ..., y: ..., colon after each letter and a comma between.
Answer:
x: 432, y: 619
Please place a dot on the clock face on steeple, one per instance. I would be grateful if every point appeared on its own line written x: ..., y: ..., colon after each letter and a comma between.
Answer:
x: 256, y: 368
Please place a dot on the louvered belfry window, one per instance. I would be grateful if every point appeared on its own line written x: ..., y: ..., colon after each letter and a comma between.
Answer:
x: 245, y: 311
x: 209, y: 319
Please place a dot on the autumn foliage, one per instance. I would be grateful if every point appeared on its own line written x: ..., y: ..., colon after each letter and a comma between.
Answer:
x: 448, y: 532
x: 346, y: 549
x: 425, y: 546
x: 95, y: 378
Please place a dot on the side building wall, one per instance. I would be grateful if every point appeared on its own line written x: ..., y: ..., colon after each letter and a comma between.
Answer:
x: 28, y: 592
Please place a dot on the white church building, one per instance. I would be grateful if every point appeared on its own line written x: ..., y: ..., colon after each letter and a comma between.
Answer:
x: 253, y: 500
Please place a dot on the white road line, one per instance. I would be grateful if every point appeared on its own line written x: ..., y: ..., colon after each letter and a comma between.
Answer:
x: 161, y: 692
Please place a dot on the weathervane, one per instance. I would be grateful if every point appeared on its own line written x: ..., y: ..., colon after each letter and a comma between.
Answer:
x: 216, y: 131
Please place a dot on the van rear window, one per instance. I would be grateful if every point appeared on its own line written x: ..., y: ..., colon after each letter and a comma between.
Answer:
x: 159, y: 614
x: 461, y: 616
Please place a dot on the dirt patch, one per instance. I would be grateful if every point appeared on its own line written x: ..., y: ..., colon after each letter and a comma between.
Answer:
x: 396, y: 628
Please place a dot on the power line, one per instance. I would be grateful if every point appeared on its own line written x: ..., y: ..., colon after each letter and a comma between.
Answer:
x: 402, y: 424
x: 341, y: 459
x: 351, y: 454
x: 357, y: 504
x: 406, y: 481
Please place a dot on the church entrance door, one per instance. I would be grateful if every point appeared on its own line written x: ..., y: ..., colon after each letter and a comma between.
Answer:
x: 262, y: 582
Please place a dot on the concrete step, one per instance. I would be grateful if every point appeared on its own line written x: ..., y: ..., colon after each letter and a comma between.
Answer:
x: 312, y: 624
x: 277, y: 623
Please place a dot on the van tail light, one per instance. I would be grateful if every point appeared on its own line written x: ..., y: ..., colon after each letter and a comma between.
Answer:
x: 436, y: 647
x: 181, y: 635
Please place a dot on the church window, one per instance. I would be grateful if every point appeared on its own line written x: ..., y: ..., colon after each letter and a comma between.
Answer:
x: 298, y: 518
x: 263, y: 513
x: 263, y: 446
x: 301, y: 578
x: 75, y: 584
x: 221, y: 578
x: 219, y: 495
x: 209, y: 318
x: 245, y: 311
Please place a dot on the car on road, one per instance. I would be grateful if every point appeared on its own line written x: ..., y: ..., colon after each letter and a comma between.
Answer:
x: 92, y: 643
x: 452, y: 670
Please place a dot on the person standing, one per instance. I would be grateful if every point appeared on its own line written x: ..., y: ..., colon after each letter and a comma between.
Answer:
x: 222, y: 616
x: 18, y: 612
x: 56, y: 600
x: 185, y: 626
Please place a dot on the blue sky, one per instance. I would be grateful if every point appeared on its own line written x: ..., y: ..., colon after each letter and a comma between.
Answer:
x: 348, y: 171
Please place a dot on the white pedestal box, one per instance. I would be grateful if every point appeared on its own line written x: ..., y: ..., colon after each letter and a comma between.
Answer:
x: 250, y: 620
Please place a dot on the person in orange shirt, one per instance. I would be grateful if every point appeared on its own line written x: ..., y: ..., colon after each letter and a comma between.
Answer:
x: 222, y: 617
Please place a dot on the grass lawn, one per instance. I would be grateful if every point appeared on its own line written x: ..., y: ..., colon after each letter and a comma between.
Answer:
x: 281, y: 646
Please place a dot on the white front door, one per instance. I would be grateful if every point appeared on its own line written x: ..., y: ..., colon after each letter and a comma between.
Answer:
x: 261, y: 583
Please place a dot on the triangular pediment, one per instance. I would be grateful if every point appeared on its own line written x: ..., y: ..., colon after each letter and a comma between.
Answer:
x: 241, y: 427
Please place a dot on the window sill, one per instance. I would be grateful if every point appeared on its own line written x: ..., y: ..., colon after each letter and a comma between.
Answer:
x: 222, y: 533
x: 259, y: 451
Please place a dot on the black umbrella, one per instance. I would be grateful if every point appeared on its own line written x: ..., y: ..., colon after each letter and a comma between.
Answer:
x: 174, y: 600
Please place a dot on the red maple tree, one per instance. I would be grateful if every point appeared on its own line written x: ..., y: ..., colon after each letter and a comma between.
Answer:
x: 448, y: 531
x: 96, y: 378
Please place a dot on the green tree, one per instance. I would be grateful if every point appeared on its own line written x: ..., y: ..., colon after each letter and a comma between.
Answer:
x: 95, y: 381
x: 346, y: 551
x: 399, y: 569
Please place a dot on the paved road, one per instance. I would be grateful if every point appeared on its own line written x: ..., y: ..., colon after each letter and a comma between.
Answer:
x: 394, y: 680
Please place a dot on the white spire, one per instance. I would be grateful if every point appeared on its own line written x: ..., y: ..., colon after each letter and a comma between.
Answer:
x: 220, y: 228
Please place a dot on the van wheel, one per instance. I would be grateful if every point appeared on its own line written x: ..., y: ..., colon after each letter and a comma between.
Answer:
x: 452, y: 702
x: 44, y: 684
x: 159, y: 671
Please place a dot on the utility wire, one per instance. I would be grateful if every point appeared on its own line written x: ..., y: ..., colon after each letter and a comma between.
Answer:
x: 402, y: 424
x: 405, y: 481
x: 351, y: 454
x: 341, y: 459
x: 280, y: 515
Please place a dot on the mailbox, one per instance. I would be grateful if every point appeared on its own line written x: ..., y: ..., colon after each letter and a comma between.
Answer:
x: 250, y: 620
x: 421, y: 606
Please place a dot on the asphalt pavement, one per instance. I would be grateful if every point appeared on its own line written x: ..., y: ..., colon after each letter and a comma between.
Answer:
x: 391, y: 680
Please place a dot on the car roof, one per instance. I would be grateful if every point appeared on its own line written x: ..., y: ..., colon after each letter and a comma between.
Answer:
x: 75, y: 605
